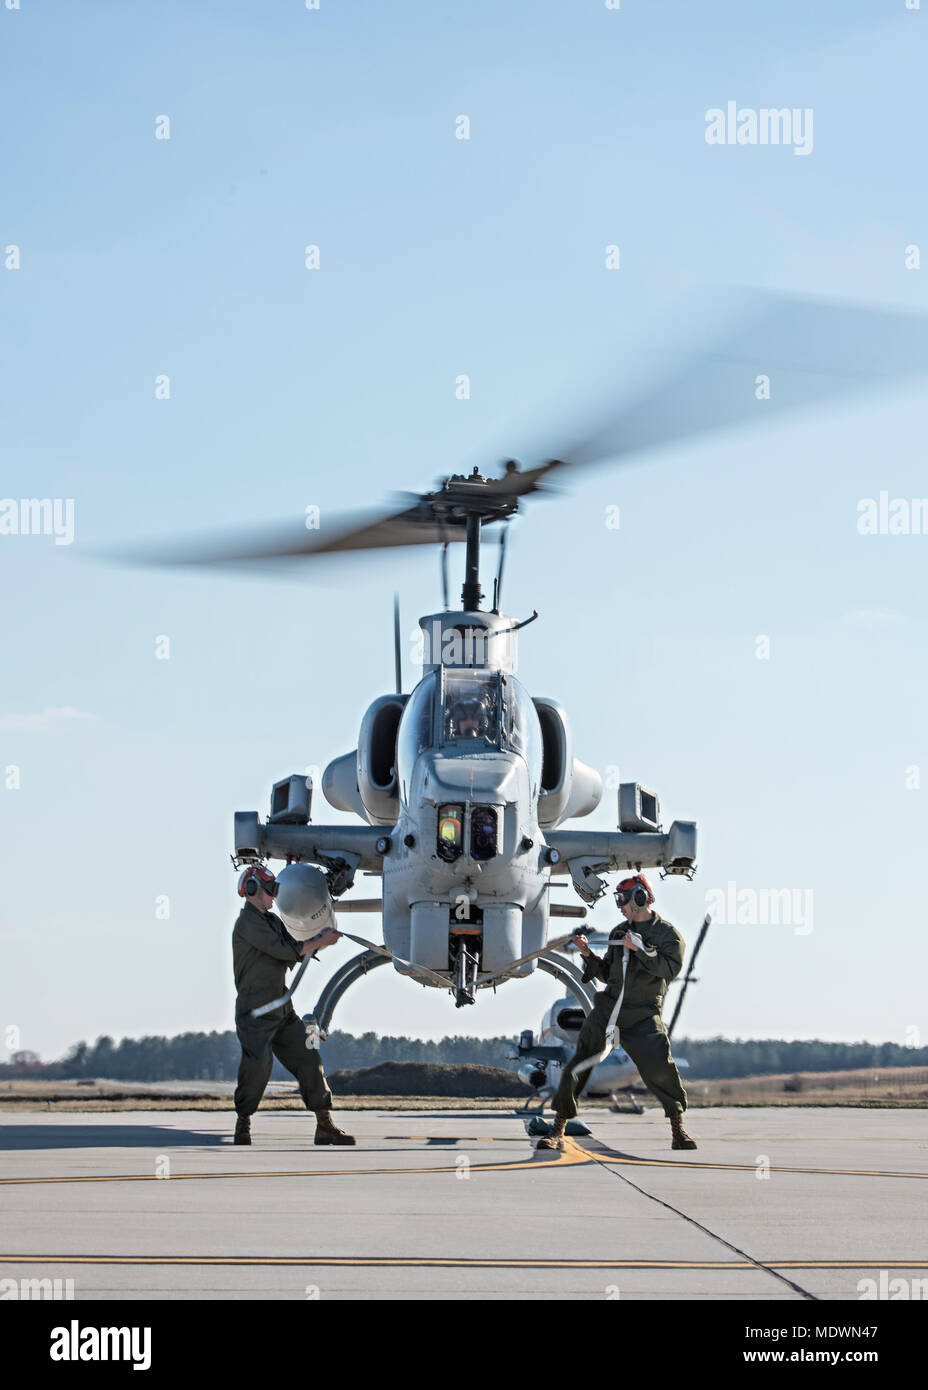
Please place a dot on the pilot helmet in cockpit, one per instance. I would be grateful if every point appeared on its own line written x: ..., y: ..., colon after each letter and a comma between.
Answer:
x: 470, y: 718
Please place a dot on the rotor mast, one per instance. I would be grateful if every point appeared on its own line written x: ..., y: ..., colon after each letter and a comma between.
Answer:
x: 468, y: 502
x: 471, y: 593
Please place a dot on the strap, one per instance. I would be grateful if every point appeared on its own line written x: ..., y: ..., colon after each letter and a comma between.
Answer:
x: 391, y: 955
x: 284, y: 998
x: 589, y: 1062
x: 555, y: 945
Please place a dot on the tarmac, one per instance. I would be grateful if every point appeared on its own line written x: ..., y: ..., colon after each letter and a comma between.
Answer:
x: 796, y: 1204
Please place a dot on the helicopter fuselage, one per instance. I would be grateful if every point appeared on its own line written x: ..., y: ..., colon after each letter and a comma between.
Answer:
x: 462, y: 785
x: 467, y: 869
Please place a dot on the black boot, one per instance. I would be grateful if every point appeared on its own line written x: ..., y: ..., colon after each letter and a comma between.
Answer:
x: 242, y: 1130
x: 327, y: 1132
x: 681, y: 1140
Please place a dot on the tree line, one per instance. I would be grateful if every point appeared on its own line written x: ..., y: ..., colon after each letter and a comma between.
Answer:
x: 215, y: 1056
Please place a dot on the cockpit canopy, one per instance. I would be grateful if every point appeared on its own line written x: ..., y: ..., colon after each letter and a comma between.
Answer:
x: 470, y: 708
x: 469, y: 711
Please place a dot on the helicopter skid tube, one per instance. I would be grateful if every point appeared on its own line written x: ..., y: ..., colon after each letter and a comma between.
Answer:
x: 355, y: 969
x: 567, y: 974
x: 347, y: 975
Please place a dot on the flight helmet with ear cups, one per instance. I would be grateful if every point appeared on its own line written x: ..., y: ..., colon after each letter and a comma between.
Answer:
x: 636, y: 890
x: 254, y: 877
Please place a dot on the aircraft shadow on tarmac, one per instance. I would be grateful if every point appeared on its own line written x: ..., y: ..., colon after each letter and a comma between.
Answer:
x: 103, y: 1137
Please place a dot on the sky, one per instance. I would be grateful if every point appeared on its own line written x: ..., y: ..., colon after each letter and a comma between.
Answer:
x: 735, y: 643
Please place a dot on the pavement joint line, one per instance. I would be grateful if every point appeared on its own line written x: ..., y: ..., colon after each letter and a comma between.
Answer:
x: 757, y: 1264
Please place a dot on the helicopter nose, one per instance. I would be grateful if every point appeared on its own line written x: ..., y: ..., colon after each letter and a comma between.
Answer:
x: 493, y: 777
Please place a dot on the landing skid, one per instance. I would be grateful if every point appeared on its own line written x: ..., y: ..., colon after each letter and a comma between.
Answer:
x: 352, y: 971
x: 355, y: 969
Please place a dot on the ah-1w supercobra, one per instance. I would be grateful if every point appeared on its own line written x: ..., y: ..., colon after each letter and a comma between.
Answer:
x: 462, y: 786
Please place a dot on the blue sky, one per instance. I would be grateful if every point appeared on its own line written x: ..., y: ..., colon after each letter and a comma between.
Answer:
x: 289, y: 387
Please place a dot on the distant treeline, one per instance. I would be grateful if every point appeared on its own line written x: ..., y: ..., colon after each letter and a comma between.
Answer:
x: 723, y: 1057
x: 215, y: 1056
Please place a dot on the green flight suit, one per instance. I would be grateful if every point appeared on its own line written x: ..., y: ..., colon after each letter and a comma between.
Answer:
x: 262, y: 950
x: 641, y: 1029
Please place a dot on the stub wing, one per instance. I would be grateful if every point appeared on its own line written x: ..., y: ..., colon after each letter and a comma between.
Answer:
x: 316, y: 844
x: 585, y: 854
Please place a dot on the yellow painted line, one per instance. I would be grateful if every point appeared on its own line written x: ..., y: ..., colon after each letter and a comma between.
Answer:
x: 449, y: 1262
x: 622, y: 1160
x: 373, y: 1261
x: 573, y: 1155
x: 848, y: 1264
x: 564, y: 1160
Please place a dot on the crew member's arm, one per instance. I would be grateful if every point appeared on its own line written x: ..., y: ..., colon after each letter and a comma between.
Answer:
x: 319, y: 943
x: 264, y: 938
x: 668, y: 947
x: 595, y: 967
x: 598, y: 967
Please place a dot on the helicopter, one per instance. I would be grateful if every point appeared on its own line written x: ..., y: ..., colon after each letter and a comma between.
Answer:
x: 465, y: 783
x: 462, y: 786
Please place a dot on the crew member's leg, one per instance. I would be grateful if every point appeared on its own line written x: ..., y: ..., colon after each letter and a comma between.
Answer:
x: 305, y: 1064
x: 648, y: 1046
x: 254, y: 1072
x: 591, y: 1040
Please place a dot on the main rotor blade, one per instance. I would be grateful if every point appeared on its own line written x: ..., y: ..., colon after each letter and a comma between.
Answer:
x: 344, y: 532
x: 804, y: 350
x: 753, y: 357
x: 517, y: 482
